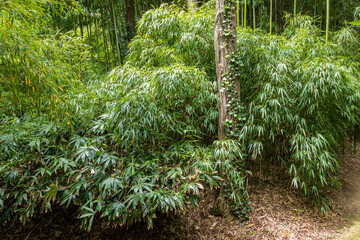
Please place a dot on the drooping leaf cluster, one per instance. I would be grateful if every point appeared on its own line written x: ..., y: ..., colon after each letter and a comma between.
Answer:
x: 130, y: 146
x: 300, y: 100
x: 37, y: 64
x: 139, y: 142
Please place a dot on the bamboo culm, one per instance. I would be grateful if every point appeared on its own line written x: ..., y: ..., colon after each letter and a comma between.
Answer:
x: 238, y: 13
x: 327, y: 20
x: 254, y: 17
x: 245, y: 3
x: 271, y: 13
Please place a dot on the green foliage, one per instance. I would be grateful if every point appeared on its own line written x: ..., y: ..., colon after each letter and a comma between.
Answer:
x: 36, y: 67
x: 140, y: 141
x: 156, y: 94
x: 175, y: 36
x: 130, y: 146
x: 355, y: 22
x: 300, y: 100
x: 46, y: 169
x: 230, y: 161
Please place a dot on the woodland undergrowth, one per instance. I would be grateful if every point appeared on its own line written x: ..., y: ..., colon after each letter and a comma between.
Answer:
x: 300, y: 101
x: 141, y: 140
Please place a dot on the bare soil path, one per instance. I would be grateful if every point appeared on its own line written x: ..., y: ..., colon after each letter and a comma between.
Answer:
x: 348, y: 196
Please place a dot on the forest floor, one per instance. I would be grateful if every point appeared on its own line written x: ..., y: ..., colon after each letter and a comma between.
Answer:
x: 348, y: 195
x: 278, y: 213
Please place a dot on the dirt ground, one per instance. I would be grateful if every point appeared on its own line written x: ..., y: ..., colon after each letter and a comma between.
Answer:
x: 278, y: 213
x: 348, y: 195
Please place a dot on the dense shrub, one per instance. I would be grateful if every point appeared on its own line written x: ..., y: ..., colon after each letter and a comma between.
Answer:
x: 141, y: 140
x: 300, y: 100
x: 134, y: 144
x: 37, y: 64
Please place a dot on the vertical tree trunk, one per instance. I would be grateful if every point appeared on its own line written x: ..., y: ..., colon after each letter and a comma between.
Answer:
x: 225, y: 49
x: 130, y: 15
x: 225, y: 46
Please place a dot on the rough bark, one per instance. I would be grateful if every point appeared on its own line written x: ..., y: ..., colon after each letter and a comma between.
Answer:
x: 224, y: 47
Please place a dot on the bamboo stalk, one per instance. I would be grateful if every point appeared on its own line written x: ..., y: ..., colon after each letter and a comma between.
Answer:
x: 254, y: 20
x: 96, y: 36
x: 327, y: 20
x: 245, y: 13
x: 107, y: 54
x: 111, y: 25
x: 116, y: 36
x: 238, y: 13
x: 271, y: 13
x: 294, y: 8
x: 242, y: 15
x: 276, y: 16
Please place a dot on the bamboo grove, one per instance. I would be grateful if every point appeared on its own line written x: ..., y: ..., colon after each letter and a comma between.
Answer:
x: 112, y: 106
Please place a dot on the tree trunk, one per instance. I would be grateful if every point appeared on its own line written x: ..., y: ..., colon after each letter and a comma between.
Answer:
x: 130, y: 15
x: 225, y: 46
x: 225, y: 49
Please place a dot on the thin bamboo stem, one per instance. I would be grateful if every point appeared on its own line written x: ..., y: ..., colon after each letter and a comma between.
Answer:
x: 254, y: 17
x: 327, y: 20
x: 116, y: 36
x: 107, y: 51
x: 245, y: 7
x: 271, y: 13
x: 242, y: 15
x: 238, y: 13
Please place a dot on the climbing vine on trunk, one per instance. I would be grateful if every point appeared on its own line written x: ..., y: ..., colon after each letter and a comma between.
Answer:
x: 225, y: 51
x: 228, y: 151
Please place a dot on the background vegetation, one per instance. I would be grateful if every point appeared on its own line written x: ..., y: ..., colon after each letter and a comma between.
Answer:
x: 122, y: 121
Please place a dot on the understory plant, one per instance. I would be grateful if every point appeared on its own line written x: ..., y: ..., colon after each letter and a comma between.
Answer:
x: 132, y: 145
x: 140, y: 141
x: 38, y: 65
x: 300, y: 100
